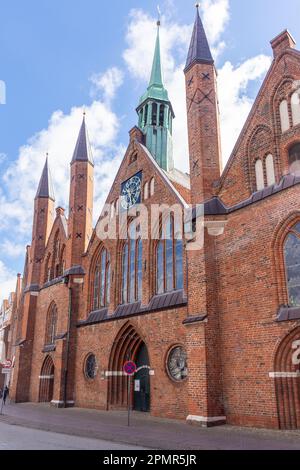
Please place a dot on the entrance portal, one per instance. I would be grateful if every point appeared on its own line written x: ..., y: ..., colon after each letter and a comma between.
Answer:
x: 129, y: 346
x: 287, y: 381
x: 142, y: 381
x: 46, y: 381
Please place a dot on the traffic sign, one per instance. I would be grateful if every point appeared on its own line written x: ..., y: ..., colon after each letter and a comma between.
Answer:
x: 6, y: 364
x: 129, y: 368
x: 7, y: 370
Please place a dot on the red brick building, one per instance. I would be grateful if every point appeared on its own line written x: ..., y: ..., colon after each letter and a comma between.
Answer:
x: 214, y: 329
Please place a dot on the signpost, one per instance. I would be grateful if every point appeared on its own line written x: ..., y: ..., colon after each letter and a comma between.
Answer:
x: 129, y: 369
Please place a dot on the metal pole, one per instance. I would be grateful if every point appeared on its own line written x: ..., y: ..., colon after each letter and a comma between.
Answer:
x: 129, y: 398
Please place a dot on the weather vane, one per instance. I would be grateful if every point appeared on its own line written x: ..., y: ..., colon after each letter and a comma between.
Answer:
x: 159, y: 15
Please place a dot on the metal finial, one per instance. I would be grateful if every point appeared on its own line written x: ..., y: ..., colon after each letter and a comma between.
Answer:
x: 159, y: 16
x: 197, y: 5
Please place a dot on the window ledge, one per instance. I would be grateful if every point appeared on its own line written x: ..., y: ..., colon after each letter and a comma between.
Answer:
x: 286, y: 313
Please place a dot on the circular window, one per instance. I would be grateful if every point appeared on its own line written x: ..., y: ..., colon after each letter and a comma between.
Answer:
x: 177, y: 364
x: 90, y: 368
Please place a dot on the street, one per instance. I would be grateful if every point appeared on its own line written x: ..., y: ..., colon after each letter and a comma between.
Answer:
x: 20, y: 438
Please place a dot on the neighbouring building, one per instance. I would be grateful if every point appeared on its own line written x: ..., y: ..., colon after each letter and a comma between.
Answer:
x: 214, y: 331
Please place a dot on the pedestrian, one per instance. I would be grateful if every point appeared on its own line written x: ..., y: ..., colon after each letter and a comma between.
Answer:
x: 1, y: 393
x: 5, y: 394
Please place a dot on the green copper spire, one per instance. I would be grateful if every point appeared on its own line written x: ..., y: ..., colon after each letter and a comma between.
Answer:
x: 156, y: 114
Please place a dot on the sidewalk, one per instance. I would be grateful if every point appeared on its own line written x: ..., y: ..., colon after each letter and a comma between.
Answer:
x: 145, y: 430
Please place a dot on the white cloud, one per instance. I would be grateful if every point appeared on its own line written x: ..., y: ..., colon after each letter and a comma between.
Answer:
x: 3, y: 157
x: 107, y: 83
x: 235, y: 104
x: 11, y: 249
x: 7, y: 281
x: 233, y: 80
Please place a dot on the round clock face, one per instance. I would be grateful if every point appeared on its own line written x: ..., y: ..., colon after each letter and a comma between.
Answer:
x: 131, y: 192
x: 177, y: 364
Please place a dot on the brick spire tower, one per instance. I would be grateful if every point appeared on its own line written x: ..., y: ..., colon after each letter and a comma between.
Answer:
x: 42, y: 223
x: 80, y: 223
x: 203, y: 115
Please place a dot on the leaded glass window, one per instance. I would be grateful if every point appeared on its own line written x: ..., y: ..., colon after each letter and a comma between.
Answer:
x: 292, y: 265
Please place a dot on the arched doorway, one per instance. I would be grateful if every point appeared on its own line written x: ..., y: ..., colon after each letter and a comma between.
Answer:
x: 46, y: 381
x: 141, y: 400
x: 287, y: 381
x: 128, y: 345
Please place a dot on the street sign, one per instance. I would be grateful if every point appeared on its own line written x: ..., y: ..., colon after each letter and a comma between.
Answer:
x: 129, y: 368
x: 7, y: 370
x: 7, y: 363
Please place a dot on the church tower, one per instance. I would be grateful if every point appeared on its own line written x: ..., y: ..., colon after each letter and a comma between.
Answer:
x: 156, y: 115
x: 203, y: 116
x: 80, y: 221
x: 42, y: 223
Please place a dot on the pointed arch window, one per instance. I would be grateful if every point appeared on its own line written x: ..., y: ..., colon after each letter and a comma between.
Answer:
x: 101, y: 294
x: 161, y: 115
x: 154, y: 114
x: 292, y: 265
x: 132, y: 270
x: 270, y: 170
x: 146, y: 191
x: 284, y: 116
x: 259, y: 173
x: 294, y: 159
x: 169, y: 261
x: 295, y: 102
x: 152, y: 187
x: 51, y: 324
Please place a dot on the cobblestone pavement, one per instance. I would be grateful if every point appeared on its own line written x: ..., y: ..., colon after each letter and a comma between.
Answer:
x: 145, y: 431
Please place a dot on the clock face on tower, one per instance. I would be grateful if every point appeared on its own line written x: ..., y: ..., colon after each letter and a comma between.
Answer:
x: 131, y: 191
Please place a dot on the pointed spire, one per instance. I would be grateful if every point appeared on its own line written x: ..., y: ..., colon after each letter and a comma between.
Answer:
x: 83, y: 151
x: 45, y: 189
x: 199, y: 51
x: 156, y: 89
x: 156, y: 73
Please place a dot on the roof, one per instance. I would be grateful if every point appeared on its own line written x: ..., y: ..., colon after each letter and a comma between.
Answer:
x: 45, y: 189
x: 156, y: 89
x: 199, y: 51
x: 83, y: 151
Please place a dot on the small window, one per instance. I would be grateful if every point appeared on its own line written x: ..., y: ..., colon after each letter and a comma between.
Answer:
x: 270, y: 170
x: 90, y: 367
x: 259, y: 172
x: 284, y: 116
x: 161, y: 115
x: 294, y: 159
x: 295, y: 102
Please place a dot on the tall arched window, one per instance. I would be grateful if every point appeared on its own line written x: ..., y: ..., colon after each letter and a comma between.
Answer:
x: 270, y: 170
x: 292, y: 265
x: 295, y: 102
x: 51, y: 324
x: 161, y: 115
x: 294, y: 159
x: 152, y: 187
x: 284, y: 115
x: 146, y: 191
x: 154, y: 114
x: 259, y: 172
x: 132, y: 269
x: 169, y: 261
x: 101, y: 297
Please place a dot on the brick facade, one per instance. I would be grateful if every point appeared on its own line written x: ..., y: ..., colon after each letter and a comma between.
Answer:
x: 228, y: 315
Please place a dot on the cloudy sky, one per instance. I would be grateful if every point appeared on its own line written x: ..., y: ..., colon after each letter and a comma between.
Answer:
x: 58, y: 57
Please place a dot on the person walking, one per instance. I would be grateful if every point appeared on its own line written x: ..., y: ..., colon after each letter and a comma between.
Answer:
x: 5, y: 394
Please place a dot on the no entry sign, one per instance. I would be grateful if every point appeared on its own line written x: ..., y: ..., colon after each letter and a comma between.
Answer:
x: 129, y: 368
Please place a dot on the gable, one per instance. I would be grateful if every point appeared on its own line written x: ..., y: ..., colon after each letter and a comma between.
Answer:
x: 262, y: 133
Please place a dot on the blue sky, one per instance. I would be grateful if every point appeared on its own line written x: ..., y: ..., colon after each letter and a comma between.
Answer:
x: 58, y: 56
